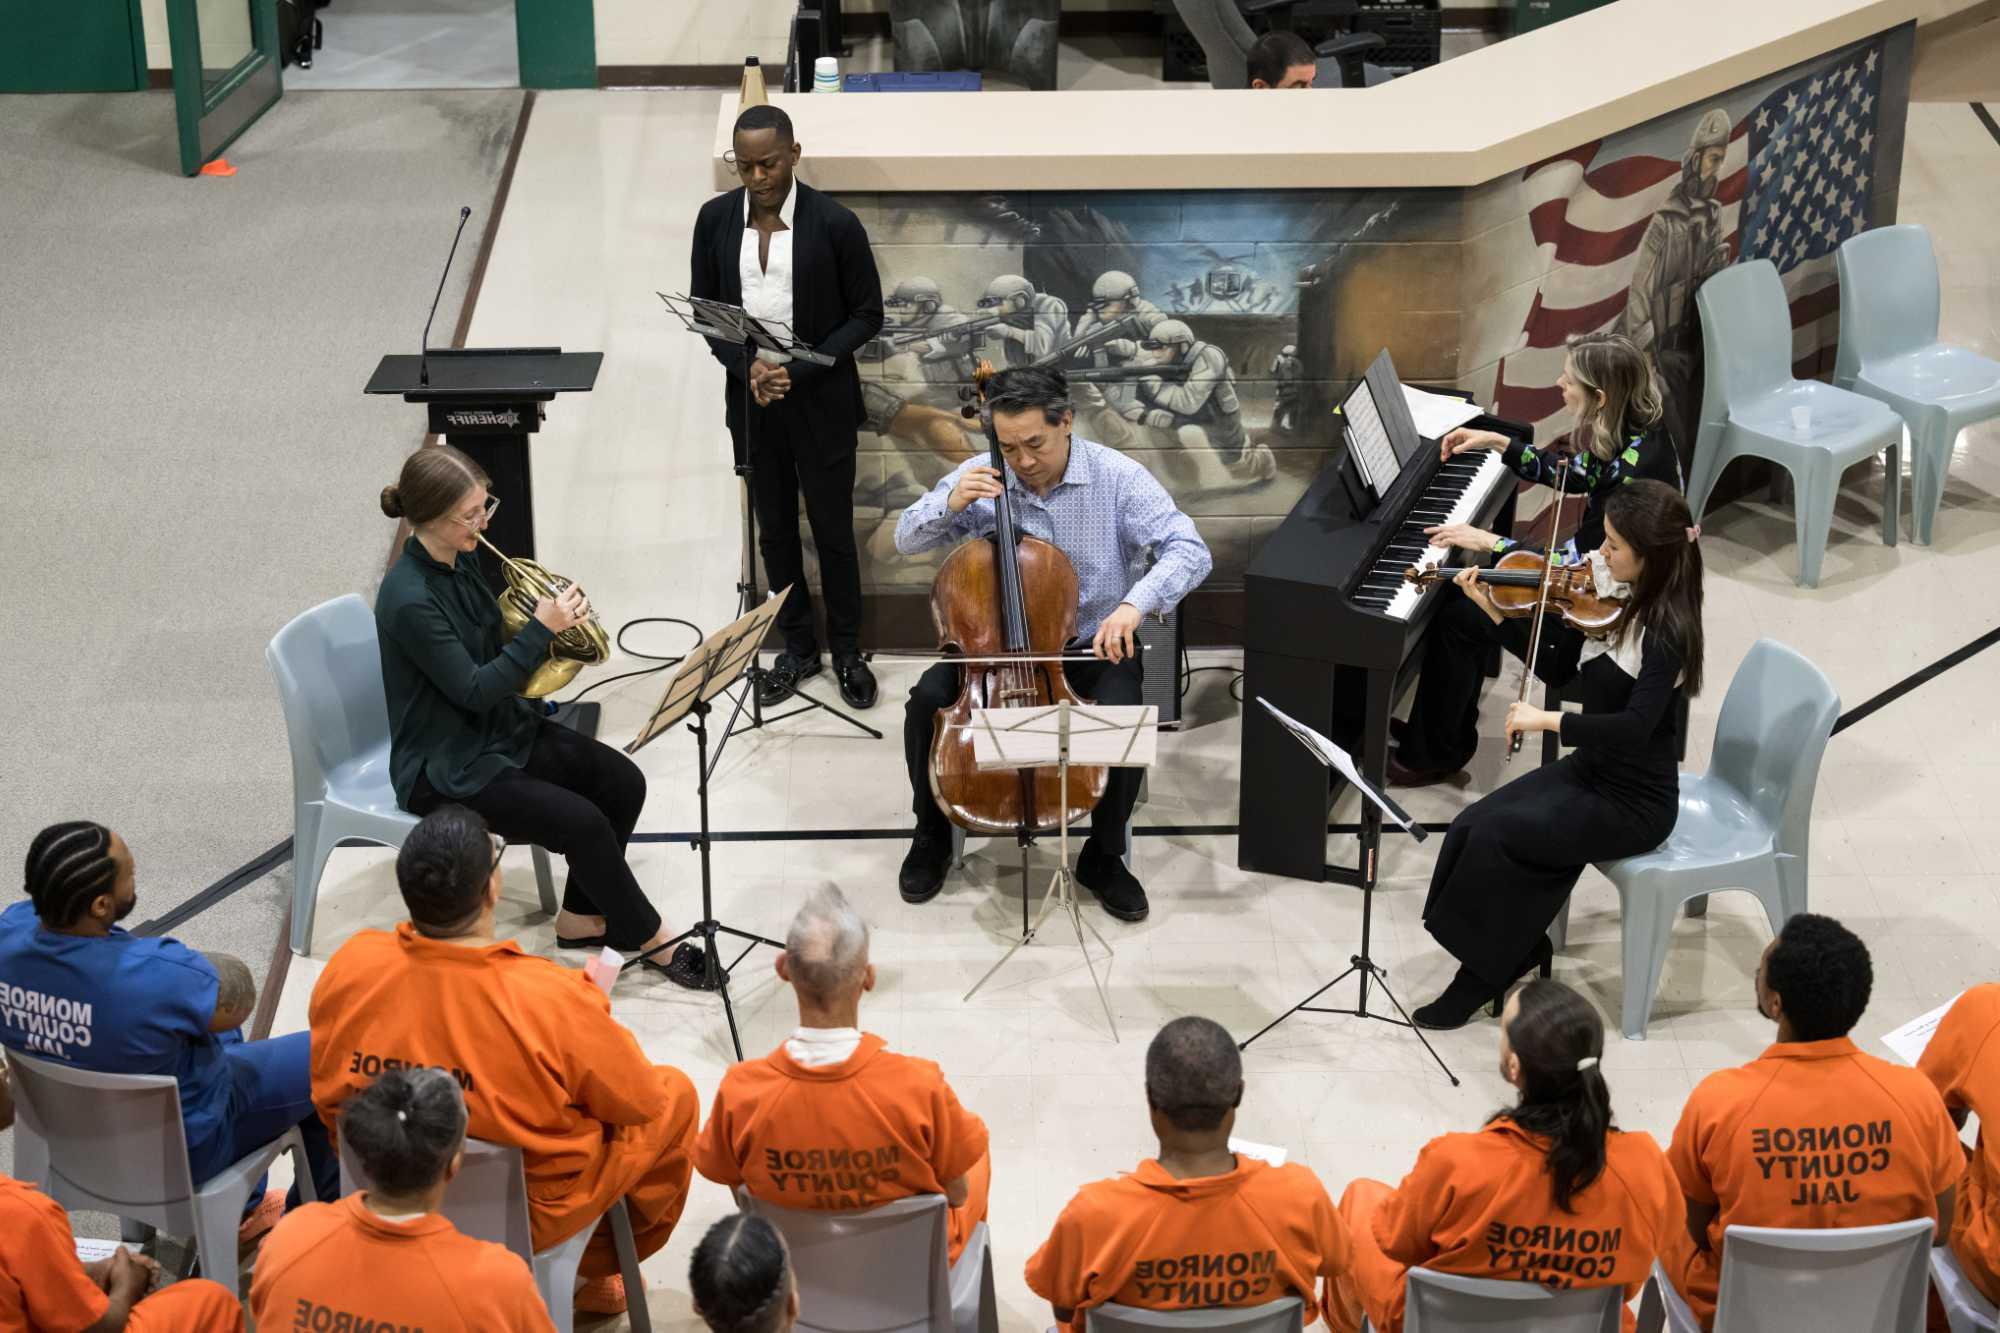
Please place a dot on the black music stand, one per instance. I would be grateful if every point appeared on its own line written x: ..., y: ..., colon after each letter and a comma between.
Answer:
x: 1374, y: 804
x: 721, y: 322
x: 707, y: 672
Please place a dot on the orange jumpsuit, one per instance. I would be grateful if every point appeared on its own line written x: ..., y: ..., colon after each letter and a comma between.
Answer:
x: 1479, y: 1205
x: 544, y: 1066
x: 1257, y: 1234
x: 1810, y: 1134
x: 421, y: 1273
x: 1963, y: 1061
x: 43, y: 1285
x: 872, y: 1129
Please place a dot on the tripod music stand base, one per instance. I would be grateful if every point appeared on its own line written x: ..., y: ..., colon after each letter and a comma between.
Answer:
x: 718, y: 973
x: 1366, y: 970
x: 1062, y: 893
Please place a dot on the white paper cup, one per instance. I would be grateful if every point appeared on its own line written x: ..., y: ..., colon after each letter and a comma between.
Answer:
x: 1802, y: 420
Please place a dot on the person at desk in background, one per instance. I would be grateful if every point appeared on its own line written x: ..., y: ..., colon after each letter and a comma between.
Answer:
x: 785, y: 252
x: 1963, y: 1061
x: 1815, y: 1132
x: 460, y: 734
x: 1511, y: 858
x: 1620, y: 436
x: 1104, y: 511
x: 88, y: 993
x: 1484, y: 1204
x: 1281, y: 60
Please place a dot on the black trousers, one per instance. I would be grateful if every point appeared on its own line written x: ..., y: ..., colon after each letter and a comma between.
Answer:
x: 1109, y: 683
x: 1443, y: 728
x: 578, y: 797
x: 787, y: 462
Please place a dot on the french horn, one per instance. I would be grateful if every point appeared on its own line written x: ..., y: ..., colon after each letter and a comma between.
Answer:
x: 582, y: 644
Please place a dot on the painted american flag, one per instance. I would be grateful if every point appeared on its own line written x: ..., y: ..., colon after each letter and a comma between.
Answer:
x: 1794, y: 184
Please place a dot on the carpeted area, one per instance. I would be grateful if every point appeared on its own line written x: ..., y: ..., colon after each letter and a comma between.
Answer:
x: 191, y: 460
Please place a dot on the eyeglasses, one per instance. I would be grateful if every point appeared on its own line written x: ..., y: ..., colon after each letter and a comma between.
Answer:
x: 499, y: 850
x: 485, y: 515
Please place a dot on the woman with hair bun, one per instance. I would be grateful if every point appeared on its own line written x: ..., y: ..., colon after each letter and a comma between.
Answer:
x: 460, y: 733
x: 1548, y: 1191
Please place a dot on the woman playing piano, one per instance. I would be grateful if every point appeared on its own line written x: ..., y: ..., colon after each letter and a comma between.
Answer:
x: 1620, y: 436
x: 1510, y: 859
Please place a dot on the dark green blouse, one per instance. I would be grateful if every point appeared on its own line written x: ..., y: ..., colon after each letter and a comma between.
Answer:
x: 454, y: 712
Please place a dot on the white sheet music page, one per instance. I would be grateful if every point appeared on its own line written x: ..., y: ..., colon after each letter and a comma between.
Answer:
x: 1437, y: 414
x: 1336, y: 759
x: 1370, y: 440
x: 1909, y: 1040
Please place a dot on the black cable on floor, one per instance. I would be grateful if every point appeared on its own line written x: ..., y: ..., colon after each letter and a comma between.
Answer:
x: 618, y: 641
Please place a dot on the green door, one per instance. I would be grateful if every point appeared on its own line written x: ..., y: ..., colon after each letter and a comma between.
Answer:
x: 87, y: 46
x: 225, y: 71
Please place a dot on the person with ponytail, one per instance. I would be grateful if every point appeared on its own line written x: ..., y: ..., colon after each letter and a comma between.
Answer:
x: 86, y: 992
x: 1548, y: 1191
x: 1620, y: 437
x: 406, y: 1132
x: 1511, y: 858
x: 741, y: 1277
x: 459, y: 731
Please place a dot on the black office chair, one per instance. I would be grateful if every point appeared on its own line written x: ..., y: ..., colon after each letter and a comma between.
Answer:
x: 1226, y: 37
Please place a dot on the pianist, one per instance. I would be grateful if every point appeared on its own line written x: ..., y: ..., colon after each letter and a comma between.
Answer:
x: 1620, y: 436
x: 1510, y: 859
x: 1105, y: 512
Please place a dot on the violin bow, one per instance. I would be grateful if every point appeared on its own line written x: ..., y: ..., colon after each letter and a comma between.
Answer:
x: 1541, y: 601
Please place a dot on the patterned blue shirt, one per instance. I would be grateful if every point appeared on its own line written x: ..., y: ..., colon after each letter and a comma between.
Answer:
x: 1105, y: 514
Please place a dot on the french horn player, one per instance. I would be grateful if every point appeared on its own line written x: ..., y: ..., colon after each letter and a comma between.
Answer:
x: 463, y: 675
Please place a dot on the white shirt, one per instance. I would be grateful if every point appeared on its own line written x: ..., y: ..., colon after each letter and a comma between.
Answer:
x: 767, y: 290
x: 812, y: 1047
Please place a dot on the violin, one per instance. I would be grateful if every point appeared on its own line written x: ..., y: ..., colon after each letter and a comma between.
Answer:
x: 1516, y: 580
x: 993, y: 597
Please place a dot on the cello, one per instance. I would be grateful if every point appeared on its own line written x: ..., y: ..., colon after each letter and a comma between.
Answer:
x: 1007, y: 595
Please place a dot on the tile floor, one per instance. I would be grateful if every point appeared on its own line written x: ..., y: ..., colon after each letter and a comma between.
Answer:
x: 636, y: 500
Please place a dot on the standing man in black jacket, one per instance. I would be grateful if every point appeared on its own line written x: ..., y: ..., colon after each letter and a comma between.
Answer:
x: 784, y: 251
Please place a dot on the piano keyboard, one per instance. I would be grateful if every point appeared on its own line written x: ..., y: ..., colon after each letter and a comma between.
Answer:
x: 1456, y: 493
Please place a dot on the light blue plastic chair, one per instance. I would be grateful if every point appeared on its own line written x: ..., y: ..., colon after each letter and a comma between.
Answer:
x: 1448, y: 1303
x: 1847, y: 1280
x: 328, y: 666
x: 114, y: 1143
x: 1966, y: 1310
x: 1280, y: 1316
x: 1889, y: 350
x: 1748, y: 394
x: 1743, y: 824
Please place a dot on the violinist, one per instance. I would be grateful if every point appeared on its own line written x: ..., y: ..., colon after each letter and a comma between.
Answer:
x: 1620, y: 436
x: 1510, y: 859
x: 1105, y: 512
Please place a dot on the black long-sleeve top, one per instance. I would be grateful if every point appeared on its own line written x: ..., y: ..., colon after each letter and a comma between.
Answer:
x: 1628, y: 734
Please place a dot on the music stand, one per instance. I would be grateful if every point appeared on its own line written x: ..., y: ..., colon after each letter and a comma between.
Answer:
x: 721, y: 322
x: 707, y: 672
x: 1374, y: 805
x: 1124, y: 736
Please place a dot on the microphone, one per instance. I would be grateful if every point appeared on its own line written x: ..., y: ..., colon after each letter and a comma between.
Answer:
x: 424, y: 357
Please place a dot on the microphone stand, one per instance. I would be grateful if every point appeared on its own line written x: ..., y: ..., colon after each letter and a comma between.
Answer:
x: 424, y: 347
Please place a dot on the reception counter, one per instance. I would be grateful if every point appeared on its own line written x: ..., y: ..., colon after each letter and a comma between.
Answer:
x: 1261, y: 248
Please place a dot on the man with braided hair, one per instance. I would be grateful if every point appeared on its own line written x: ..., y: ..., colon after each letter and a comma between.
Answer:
x: 77, y: 987
x: 741, y: 1277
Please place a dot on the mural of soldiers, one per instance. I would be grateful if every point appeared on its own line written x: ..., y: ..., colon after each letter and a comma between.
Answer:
x: 1114, y: 296
x: 1201, y: 409
x: 918, y: 303
x: 1683, y: 247
x: 1035, y: 322
x: 1289, y: 372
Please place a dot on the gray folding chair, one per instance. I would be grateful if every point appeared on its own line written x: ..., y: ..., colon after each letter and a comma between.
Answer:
x: 884, y: 1269
x: 1744, y: 824
x: 488, y: 1200
x: 1748, y: 397
x: 1889, y: 350
x: 1966, y: 1310
x: 1280, y: 1316
x: 114, y: 1143
x: 1847, y: 1280
x: 328, y: 666
x: 1448, y: 1303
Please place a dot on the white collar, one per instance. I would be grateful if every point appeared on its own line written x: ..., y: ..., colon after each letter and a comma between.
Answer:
x: 785, y: 210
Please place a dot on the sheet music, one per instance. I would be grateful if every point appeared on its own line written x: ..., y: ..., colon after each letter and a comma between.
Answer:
x: 1909, y: 1040
x: 1342, y: 763
x: 1437, y: 414
x: 1369, y: 439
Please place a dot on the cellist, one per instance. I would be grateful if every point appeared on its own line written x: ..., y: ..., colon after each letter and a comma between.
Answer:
x: 1104, y: 511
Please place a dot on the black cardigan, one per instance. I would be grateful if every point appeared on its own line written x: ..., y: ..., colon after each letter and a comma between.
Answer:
x: 836, y: 307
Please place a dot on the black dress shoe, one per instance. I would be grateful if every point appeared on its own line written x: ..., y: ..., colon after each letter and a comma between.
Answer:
x: 1460, y: 1001
x: 782, y: 680
x: 1402, y: 775
x: 1117, y: 889
x: 924, y: 865
x: 857, y: 682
